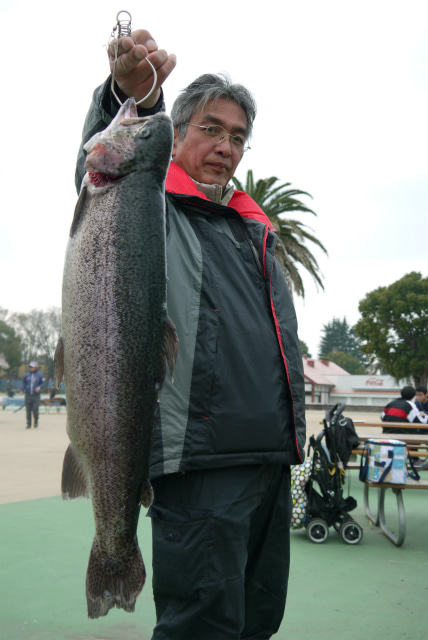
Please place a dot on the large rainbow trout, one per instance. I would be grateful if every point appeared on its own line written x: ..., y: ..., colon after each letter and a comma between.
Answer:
x: 116, y: 339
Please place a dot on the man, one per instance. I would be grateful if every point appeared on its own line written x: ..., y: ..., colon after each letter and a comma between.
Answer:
x: 233, y: 421
x: 422, y: 399
x: 32, y: 383
x: 403, y: 410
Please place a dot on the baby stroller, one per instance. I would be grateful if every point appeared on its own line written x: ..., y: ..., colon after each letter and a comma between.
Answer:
x: 327, y: 507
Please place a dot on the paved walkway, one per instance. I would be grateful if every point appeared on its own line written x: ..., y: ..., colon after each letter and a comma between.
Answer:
x: 336, y: 590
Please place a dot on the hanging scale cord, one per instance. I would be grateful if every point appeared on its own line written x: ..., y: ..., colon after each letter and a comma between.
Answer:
x: 123, y: 27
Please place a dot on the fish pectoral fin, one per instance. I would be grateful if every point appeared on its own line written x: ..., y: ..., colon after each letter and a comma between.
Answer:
x: 170, y: 344
x: 80, y: 205
x: 74, y: 483
x: 59, y: 363
x: 147, y: 494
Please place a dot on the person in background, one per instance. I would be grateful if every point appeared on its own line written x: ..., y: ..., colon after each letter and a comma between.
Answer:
x: 32, y: 384
x: 422, y: 399
x: 422, y: 404
x: 53, y: 391
x: 403, y: 409
x: 233, y: 422
x: 9, y: 389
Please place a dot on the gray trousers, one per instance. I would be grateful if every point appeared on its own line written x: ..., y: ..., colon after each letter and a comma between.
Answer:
x: 32, y: 403
x: 221, y: 552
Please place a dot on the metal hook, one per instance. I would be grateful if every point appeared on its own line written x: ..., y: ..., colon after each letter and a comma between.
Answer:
x: 123, y: 27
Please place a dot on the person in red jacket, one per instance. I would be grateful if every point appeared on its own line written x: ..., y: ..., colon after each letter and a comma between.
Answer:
x: 403, y: 409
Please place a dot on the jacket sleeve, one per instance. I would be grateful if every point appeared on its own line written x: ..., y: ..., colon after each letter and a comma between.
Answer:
x: 103, y: 109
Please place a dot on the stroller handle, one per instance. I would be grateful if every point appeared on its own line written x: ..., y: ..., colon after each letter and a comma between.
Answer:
x: 336, y: 410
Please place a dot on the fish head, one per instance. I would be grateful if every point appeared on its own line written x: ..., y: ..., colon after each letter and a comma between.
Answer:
x: 129, y: 144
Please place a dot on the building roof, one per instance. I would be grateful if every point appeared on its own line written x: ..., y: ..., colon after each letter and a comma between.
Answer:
x: 318, y: 371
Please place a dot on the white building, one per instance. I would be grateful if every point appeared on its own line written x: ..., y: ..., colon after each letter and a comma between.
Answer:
x: 327, y: 384
x: 374, y: 391
x: 318, y: 385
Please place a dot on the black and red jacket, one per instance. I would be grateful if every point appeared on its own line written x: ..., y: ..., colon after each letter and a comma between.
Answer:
x: 238, y: 392
x: 401, y: 410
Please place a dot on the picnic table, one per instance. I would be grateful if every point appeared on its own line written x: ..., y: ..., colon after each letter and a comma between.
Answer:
x: 12, y: 402
x: 379, y: 518
x: 417, y: 447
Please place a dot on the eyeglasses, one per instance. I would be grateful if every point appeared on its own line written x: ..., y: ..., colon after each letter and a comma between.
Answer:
x: 219, y: 132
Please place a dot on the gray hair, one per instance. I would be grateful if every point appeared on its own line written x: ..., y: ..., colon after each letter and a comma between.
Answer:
x: 206, y: 88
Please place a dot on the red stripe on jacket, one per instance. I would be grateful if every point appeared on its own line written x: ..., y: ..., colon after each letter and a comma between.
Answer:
x: 398, y: 413
x: 177, y: 181
x: 284, y: 359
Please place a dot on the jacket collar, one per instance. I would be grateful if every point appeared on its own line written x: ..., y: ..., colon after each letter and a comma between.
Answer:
x: 178, y: 182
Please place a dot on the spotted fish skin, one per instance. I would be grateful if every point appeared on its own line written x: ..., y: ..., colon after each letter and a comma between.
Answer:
x: 115, y: 340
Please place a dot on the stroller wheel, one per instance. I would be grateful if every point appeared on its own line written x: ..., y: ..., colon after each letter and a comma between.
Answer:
x: 351, y: 532
x: 317, y: 530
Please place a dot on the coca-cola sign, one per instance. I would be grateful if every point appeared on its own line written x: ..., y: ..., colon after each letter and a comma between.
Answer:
x: 374, y: 382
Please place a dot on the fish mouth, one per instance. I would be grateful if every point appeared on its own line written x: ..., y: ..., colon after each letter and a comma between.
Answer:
x: 102, y: 179
x: 106, y: 162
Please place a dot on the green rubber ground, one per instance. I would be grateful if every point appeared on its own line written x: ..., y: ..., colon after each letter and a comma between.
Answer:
x: 336, y: 591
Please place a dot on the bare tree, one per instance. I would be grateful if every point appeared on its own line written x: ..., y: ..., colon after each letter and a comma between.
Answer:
x: 39, y: 332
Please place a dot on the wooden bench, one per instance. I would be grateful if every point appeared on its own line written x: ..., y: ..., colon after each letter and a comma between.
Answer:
x: 56, y: 402
x: 380, y: 517
x: 414, y: 451
x: 400, y: 425
x: 417, y: 451
x: 380, y: 425
x: 417, y: 443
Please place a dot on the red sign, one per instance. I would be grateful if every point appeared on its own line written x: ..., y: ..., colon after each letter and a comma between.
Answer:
x: 374, y: 382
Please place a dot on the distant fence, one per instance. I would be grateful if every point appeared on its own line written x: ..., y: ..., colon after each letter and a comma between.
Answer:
x: 16, y: 383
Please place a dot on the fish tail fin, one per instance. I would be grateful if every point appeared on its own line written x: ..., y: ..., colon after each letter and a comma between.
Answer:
x: 74, y: 482
x: 170, y: 344
x: 111, y: 583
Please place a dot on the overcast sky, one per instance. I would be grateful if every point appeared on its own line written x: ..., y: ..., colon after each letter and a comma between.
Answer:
x: 342, y: 94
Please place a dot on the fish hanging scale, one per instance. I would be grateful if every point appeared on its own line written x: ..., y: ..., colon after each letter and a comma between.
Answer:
x: 123, y: 29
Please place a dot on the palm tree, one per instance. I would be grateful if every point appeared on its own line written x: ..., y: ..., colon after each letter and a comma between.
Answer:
x: 292, y: 234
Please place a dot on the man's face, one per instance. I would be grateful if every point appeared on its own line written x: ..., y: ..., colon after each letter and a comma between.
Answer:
x: 421, y: 396
x: 205, y: 159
